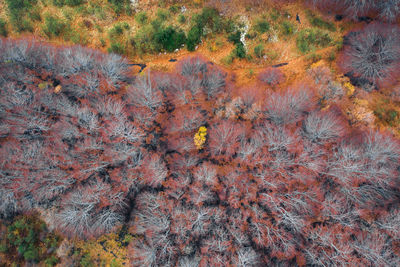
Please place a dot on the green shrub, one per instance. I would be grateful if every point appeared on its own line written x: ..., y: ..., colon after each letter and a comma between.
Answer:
x: 181, y: 18
x: 163, y: 14
x: 208, y: 16
x: 3, y: 28
x: 320, y: 23
x: 309, y: 39
x: 174, y: 9
x: 259, y: 51
x: 141, y: 17
x: 116, y: 48
x: 262, y: 26
x: 234, y: 37
x: 120, y: 6
x: 239, y: 51
x: 118, y: 29
x: 193, y: 37
x: 144, y: 40
x: 170, y: 38
x: 53, y: 26
x: 229, y: 26
x: 61, y: 3
x: 287, y: 28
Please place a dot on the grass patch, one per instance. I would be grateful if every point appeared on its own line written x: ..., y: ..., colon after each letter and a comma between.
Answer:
x: 259, y: 51
x: 287, y: 28
x: 319, y: 22
x: 262, y: 26
x: 162, y: 14
x: 309, y: 39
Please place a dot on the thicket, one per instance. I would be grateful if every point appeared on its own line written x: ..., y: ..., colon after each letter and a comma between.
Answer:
x: 277, y: 181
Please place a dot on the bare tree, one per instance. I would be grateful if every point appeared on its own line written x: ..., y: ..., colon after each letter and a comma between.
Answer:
x: 322, y: 127
x: 246, y: 256
x: 144, y: 94
x: 389, y: 10
x: 114, y: 68
x: 271, y: 76
x: 374, y: 53
x: 287, y: 107
x: 193, y: 66
x: 213, y: 83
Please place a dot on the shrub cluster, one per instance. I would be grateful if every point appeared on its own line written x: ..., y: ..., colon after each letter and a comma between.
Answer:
x: 277, y: 181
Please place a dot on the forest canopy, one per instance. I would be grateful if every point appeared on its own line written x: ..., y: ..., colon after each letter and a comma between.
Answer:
x: 277, y: 179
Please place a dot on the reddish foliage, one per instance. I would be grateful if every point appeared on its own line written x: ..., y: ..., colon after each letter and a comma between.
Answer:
x: 278, y: 182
